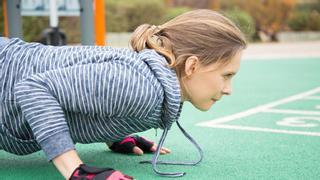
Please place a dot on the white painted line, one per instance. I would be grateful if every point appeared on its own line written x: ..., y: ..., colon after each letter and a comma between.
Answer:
x: 312, y: 97
x: 259, y: 108
x: 290, y: 111
x: 247, y: 128
x: 300, y: 121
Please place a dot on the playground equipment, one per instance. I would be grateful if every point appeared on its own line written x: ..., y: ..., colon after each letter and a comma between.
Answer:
x: 92, y: 21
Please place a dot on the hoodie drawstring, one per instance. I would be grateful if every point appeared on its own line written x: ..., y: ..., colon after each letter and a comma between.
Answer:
x: 155, y: 161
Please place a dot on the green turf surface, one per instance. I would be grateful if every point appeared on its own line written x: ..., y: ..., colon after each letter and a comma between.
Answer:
x: 229, y: 153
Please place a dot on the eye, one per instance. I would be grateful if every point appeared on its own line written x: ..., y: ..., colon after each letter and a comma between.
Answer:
x: 228, y: 76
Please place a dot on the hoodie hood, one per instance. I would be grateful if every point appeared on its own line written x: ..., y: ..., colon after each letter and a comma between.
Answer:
x: 168, y: 79
x: 171, y: 109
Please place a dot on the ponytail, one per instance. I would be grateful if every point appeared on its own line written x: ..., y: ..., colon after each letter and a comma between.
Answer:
x: 152, y: 37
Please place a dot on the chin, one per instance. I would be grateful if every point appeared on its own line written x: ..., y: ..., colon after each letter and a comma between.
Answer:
x: 203, y: 108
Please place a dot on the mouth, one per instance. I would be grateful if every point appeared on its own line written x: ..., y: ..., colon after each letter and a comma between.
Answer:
x: 214, y: 99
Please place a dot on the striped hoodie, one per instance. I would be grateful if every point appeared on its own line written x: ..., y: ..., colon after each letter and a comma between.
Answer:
x: 54, y: 97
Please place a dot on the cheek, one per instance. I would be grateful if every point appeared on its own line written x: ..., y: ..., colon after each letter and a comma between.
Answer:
x: 199, y: 89
x: 209, y: 89
x: 216, y: 84
x: 205, y: 87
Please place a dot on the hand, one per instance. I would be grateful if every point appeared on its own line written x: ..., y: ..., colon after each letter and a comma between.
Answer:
x: 136, y: 145
x: 84, y: 172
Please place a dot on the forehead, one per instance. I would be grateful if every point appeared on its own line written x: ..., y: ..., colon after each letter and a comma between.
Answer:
x: 232, y: 65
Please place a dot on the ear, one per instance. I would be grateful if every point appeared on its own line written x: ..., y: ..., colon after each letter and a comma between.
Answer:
x: 191, y: 65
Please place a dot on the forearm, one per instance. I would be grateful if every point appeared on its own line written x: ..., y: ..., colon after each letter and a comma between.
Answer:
x: 67, y: 162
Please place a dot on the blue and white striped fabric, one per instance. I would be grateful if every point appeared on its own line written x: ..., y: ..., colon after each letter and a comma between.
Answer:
x: 52, y: 97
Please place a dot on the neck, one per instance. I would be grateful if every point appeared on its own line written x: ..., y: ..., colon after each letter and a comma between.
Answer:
x: 183, y: 91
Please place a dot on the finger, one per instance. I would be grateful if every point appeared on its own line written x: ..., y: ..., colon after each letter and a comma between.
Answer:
x: 163, y: 150
x: 166, y: 150
x: 153, y: 148
x: 136, y: 150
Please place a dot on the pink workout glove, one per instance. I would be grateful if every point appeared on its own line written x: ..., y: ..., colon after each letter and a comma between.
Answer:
x: 84, y: 172
x: 126, y: 145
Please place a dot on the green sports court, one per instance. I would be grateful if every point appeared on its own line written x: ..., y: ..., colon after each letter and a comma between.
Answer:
x: 268, y: 129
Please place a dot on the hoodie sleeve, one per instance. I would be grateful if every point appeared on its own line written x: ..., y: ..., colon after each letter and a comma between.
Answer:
x: 106, y: 89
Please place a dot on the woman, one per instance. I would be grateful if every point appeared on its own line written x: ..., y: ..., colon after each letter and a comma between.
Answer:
x: 54, y: 97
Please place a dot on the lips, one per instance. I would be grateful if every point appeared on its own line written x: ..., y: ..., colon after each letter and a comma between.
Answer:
x: 213, y: 99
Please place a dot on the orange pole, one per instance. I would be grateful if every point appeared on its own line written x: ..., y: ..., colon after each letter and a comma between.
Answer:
x: 99, y: 21
x: 5, y: 18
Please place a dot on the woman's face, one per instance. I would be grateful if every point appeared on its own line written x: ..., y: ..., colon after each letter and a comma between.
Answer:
x: 204, y: 85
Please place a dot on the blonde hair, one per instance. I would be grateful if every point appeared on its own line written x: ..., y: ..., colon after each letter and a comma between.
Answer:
x: 205, y: 34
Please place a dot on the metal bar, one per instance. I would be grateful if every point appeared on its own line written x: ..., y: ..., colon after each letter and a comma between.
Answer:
x: 86, y: 19
x: 14, y: 18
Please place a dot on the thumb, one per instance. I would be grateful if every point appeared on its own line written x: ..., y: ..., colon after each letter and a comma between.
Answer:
x: 136, y: 150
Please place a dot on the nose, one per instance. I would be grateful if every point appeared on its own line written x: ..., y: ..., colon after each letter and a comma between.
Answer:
x: 227, y: 90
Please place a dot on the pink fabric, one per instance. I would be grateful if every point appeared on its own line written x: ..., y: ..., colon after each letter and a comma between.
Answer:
x: 128, y: 139
x: 88, y: 176
x: 118, y: 175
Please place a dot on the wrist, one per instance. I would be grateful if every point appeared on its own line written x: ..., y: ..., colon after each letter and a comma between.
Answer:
x: 67, y: 162
x: 109, y: 144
